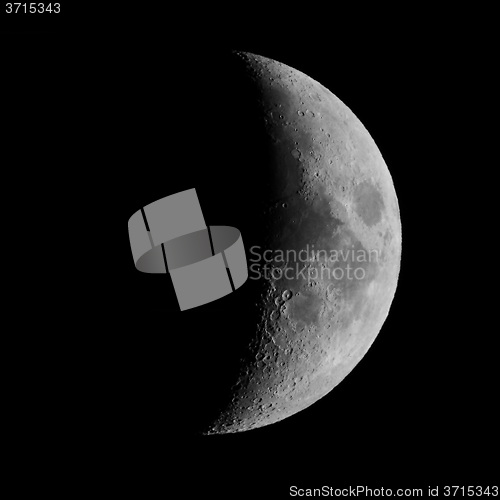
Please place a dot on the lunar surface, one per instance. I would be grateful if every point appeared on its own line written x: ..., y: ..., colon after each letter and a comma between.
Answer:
x: 327, y: 262
x: 274, y: 153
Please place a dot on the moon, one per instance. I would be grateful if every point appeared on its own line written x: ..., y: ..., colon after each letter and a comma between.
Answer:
x: 328, y: 257
x: 275, y: 154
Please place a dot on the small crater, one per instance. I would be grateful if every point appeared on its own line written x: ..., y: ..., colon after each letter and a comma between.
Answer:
x: 274, y: 315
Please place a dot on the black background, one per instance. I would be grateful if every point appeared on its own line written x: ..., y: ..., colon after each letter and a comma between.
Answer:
x: 88, y: 133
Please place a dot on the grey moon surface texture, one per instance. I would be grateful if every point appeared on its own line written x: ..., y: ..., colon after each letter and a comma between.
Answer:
x: 332, y: 194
